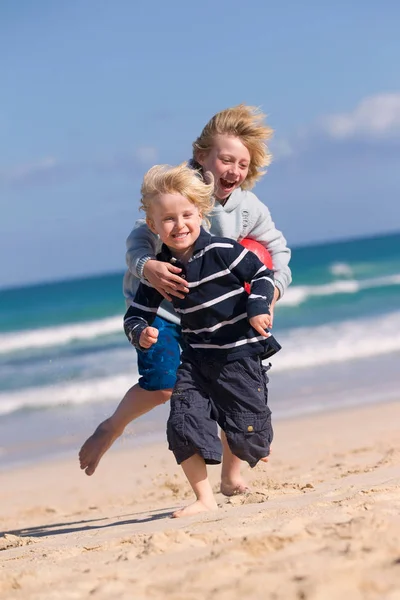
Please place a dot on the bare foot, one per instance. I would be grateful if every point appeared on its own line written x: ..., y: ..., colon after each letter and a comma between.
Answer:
x: 195, y: 508
x: 96, y: 445
x: 236, y: 486
x: 233, y: 488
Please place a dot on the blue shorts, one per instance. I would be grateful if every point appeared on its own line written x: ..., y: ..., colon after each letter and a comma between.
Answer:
x: 158, y: 366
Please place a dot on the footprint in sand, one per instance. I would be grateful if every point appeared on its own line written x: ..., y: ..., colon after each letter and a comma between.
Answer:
x: 160, y: 543
x: 249, y: 498
x: 9, y: 540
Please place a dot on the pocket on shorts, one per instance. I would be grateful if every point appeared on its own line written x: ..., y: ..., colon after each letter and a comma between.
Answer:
x: 176, y: 430
x: 247, y: 427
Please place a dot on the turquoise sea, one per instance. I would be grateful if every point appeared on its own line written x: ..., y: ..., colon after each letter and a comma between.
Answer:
x: 65, y: 362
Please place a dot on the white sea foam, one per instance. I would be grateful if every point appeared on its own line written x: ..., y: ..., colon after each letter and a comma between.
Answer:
x: 302, y: 348
x: 79, y: 392
x: 338, y: 342
x: 58, y: 336
x: 297, y: 294
x: 341, y: 269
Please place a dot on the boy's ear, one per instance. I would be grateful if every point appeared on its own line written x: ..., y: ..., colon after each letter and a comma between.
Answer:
x: 200, y: 157
x: 150, y: 225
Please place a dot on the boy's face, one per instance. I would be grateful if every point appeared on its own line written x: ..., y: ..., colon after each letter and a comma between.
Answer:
x: 228, y: 160
x: 176, y: 220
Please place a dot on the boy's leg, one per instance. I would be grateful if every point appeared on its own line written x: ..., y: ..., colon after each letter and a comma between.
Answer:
x: 157, y: 368
x: 192, y: 435
x: 232, y: 481
x: 241, y: 396
x: 136, y: 402
x: 196, y: 472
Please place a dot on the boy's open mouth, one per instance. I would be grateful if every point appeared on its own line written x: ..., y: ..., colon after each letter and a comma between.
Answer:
x: 227, y: 185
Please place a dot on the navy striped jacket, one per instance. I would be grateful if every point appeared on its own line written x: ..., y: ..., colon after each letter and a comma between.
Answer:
x: 215, y: 312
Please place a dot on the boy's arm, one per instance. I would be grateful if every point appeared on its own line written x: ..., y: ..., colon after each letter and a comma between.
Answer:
x: 141, y: 313
x: 263, y: 230
x: 249, y: 269
x: 141, y: 246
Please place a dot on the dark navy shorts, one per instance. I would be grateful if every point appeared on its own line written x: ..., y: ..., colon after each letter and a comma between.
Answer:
x: 233, y: 395
x: 158, y: 366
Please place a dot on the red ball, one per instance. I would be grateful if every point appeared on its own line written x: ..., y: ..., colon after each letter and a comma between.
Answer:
x: 260, y: 251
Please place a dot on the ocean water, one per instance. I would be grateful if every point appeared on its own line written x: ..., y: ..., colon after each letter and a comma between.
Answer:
x: 65, y: 362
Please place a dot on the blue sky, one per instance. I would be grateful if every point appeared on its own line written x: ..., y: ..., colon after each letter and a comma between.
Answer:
x: 94, y: 92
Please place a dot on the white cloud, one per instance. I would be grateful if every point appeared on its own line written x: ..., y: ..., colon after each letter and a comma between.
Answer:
x: 281, y: 148
x: 147, y: 154
x: 375, y: 117
x: 27, y: 170
x: 50, y: 170
x: 372, y: 127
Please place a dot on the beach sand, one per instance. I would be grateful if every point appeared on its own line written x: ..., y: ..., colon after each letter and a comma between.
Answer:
x: 322, y: 522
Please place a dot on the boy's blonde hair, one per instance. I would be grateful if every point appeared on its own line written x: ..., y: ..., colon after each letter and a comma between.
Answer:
x: 246, y: 123
x: 164, y: 179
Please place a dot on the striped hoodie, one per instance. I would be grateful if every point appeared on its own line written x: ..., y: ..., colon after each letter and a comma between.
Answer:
x: 215, y: 312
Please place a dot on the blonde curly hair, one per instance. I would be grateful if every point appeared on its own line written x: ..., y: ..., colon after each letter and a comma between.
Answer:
x: 246, y: 123
x: 181, y: 179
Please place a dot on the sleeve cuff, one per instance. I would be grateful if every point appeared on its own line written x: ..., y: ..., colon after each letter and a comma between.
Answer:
x: 280, y: 287
x: 141, y: 262
x: 133, y: 332
x: 257, y: 307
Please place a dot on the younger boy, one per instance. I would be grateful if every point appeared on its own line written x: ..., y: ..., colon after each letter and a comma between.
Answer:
x: 225, y: 331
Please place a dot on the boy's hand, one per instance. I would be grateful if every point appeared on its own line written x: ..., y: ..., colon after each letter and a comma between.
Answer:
x: 165, y: 278
x: 260, y: 323
x: 148, y: 337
